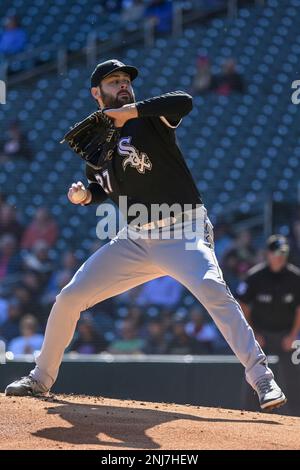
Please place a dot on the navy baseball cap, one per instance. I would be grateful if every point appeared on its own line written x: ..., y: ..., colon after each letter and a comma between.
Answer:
x: 106, y: 68
x: 278, y: 245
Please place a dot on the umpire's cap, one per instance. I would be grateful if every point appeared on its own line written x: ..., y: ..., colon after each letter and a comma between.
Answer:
x: 278, y: 245
x: 106, y: 68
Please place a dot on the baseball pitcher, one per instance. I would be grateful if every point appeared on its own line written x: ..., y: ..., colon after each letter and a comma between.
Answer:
x: 138, y: 158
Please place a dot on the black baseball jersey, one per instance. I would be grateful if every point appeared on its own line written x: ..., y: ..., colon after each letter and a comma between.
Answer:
x: 147, y: 165
x: 272, y: 296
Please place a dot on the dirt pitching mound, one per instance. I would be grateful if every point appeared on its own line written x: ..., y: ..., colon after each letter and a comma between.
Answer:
x: 82, y: 422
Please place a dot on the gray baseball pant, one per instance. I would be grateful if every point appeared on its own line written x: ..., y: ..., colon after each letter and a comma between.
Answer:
x: 127, y: 261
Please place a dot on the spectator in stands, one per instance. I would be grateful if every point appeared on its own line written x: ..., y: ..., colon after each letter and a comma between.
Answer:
x: 230, y: 268
x: 166, y: 318
x: 31, y: 281
x: 181, y: 342
x: 203, y: 332
x: 9, y: 223
x: 42, y: 228
x: 136, y: 317
x: 16, y: 145
x: 29, y: 341
x: 10, y: 259
x: 161, y: 12
x: 163, y: 291
x: 223, y: 240
x: 229, y: 81
x: 61, y: 277
x: 103, y: 321
x: 129, y: 342
x: 244, y: 252
x: 203, y: 77
x: 156, y: 341
x: 10, y: 328
x: 38, y: 261
x: 28, y: 302
x: 87, y: 339
x: 13, y: 38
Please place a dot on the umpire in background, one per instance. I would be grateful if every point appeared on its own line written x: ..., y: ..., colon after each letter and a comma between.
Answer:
x: 270, y: 299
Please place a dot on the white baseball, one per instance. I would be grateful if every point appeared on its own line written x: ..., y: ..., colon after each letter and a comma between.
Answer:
x: 79, y: 196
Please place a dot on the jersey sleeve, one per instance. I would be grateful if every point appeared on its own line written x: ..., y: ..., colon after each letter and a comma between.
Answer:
x: 170, y: 107
x: 97, y: 192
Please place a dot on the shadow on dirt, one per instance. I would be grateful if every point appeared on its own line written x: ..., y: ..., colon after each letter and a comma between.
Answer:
x: 122, y: 426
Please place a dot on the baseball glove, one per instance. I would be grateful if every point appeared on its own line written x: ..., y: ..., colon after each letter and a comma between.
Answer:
x: 93, y: 139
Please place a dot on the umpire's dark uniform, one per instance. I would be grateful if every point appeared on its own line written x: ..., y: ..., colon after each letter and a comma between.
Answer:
x: 270, y: 298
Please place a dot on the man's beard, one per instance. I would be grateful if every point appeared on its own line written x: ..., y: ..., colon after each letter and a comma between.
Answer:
x: 111, y: 101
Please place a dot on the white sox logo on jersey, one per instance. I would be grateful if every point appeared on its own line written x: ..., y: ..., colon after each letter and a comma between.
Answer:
x: 134, y: 158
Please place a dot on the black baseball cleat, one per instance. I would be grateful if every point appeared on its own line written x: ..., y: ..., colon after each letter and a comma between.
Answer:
x: 26, y: 387
x: 269, y: 394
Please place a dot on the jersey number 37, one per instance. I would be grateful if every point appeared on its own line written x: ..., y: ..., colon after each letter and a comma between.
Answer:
x: 104, y: 181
